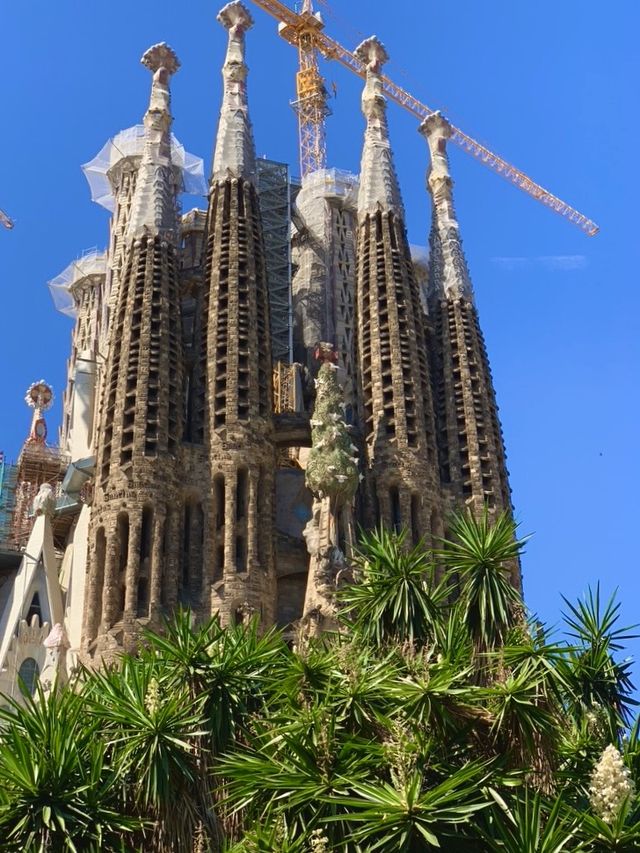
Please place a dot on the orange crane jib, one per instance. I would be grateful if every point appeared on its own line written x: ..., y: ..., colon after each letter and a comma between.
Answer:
x: 305, y: 32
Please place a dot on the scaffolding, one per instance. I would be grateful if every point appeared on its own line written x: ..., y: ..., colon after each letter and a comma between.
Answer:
x: 92, y: 264
x: 130, y: 143
x: 274, y: 190
x: 287, y: 388
x: 8, y: 479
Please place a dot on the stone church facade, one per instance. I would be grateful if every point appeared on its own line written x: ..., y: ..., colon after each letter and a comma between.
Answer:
x: 193, y: 467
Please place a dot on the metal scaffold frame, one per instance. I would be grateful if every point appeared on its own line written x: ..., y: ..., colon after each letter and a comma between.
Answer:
x: 274, y: 191
x: 8, y: 474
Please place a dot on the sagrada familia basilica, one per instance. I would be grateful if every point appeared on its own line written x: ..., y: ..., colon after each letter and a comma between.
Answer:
x: 247, y: 386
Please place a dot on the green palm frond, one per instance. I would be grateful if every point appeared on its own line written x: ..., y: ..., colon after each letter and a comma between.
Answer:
x: 412, y: 816
x: 482, y: 551
x: 596, y: 679
x: 57, y: 789
x: 395, y: 597
x: 531, y: 825
x: 229, y: 669
x: 152, y: 734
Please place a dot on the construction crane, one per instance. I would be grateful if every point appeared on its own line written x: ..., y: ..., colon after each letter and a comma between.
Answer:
x: 6, y: 220
x: 304, y: 30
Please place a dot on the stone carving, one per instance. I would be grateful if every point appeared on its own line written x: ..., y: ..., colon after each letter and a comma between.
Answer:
x: 44, y: 502
x: 55, y: 663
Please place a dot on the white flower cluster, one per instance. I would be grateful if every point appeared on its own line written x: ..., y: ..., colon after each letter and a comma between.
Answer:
x: 611, y: 785
x: 152, y: 698
x: 318, y: 842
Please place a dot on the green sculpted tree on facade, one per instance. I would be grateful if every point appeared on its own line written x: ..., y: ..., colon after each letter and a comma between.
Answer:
x: 332, y: 467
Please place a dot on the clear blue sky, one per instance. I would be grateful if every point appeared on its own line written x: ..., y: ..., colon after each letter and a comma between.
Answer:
x: 552, y: 86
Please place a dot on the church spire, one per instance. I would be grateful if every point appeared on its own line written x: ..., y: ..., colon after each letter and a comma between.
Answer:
x: 395, y: 391
x: 470, y: 447
x: 132, y: 564
x: 379, y: 189
x: 154, y: 205
x: 449, y: 273
x: 235, y: 151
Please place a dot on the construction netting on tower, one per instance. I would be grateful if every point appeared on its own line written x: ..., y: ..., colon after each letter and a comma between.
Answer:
x: 324, y: 261
x: 130, y: 143
x: 92, y: 263
x: 274, y: 192
x: 8, y: 476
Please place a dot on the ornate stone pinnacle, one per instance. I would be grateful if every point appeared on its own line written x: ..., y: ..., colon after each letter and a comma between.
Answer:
x: 39, y: 396
x: 436, y: 123
x: 236, y: 18
x: 161, y: 56
x: 325, y: 352
x: 372, y: 53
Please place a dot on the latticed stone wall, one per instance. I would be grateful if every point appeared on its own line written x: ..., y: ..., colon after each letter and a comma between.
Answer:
x: 238, y: 393
x: 396, y: 410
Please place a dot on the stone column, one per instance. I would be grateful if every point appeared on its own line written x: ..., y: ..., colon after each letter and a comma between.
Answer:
x: 111, y: 591
x: 253, y: 531
x: 157, y: 564
x: 172, y: 558
x: 230, y: 524
x: 133, y: 567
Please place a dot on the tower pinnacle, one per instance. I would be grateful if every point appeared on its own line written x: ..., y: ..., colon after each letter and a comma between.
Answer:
x: 395, y: 392
x: 450, y: 274
x: 235, y: 152
x: 39, y: 397
x: 379, y: 188
x: 154, y: 208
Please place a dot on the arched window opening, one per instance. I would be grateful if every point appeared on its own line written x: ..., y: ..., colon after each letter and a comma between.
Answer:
x: 241, y: 554
x: 416, y: 533
x: 143, y: 597
x: 219, y: 493
x: 35, y: 609
x: 241, y: 493
x: 28, y: 674
x: 100, y: 555
x: 186, y: 547
x: 396, y: 515
x: 146, y: 534
x: 122, y: 534
x: 218, y: 562
x: 123, y: 541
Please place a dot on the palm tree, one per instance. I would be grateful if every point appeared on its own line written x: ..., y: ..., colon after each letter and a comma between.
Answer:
x: 151, y: 736
x: 432, y: 718
x: 395, y: 596
x: 58, y: 791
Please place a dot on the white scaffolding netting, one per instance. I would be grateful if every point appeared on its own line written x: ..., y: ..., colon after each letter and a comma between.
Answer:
x: 92, y: 263
x: 332, y: 183
x: 130, y: 143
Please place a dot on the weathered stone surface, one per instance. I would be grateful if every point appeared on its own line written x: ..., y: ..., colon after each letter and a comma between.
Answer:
x: 401, y: 486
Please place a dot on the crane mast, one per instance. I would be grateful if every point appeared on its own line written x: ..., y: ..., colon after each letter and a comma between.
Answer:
x: 311, y: 95
x: 304, y: 30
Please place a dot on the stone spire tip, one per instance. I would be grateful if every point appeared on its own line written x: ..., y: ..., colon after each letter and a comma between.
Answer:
x: 235, y: 17
x: 234, y: 153
x: 379, y: 189
x: 436, y: 123
x: 372, y: 53
x: 161, y: 56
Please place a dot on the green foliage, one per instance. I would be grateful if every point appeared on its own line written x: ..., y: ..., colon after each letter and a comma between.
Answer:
x: 438, y: 717
x: 395, y: 597
x: 58, y: 791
